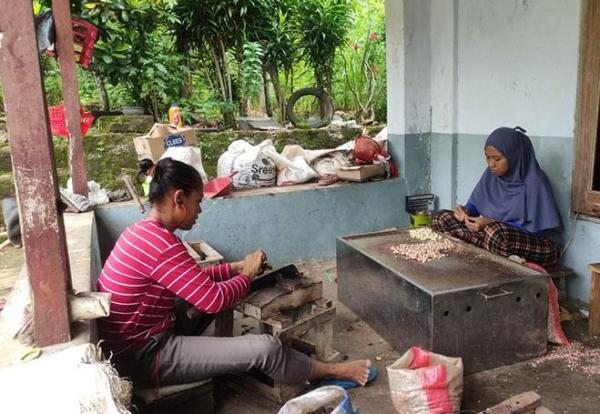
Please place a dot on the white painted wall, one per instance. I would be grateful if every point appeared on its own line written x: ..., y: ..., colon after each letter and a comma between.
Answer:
x: 444, y: 68
x: 409, y: 61
x: 517, y: 65
x: 491, y: 63
x: 468, y: 66
x: 394, y: 16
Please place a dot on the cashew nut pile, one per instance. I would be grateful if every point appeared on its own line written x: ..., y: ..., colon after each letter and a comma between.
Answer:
x: 431, y: 249
x: 425, y: 234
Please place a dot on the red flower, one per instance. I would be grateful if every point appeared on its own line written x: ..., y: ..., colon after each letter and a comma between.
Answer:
x: 373, y: 37
x: 355, y: 46
x: 374, y: 69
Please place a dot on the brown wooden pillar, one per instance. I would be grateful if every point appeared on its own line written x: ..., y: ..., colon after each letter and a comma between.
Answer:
x: 70, y: 88
x: 34, y: 171
x: 594, y: 321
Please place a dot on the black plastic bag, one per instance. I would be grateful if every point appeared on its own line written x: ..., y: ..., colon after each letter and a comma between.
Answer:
x: 44, y: 29
x: 11, y: 221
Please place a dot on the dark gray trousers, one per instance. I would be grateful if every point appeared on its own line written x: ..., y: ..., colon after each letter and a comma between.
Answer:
x: 169, y: 359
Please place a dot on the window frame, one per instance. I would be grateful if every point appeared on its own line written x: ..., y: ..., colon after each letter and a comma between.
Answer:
x: 587, y: 130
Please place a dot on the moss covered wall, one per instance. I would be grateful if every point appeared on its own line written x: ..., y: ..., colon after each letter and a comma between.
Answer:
x: 109, y: 154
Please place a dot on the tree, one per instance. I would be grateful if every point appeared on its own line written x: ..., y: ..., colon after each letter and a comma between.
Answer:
x: 361, y: 73
x: 251, y: 72
x: 112, y: 51
x: 280, y: 51
x: 322, y: 27
x: 220, y: 29
x: 135, y: 48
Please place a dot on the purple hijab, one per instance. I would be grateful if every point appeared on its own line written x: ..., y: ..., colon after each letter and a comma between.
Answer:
x: 523, y: 195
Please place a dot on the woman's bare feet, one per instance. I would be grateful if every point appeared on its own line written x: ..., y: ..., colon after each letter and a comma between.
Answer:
x: 357, y: 370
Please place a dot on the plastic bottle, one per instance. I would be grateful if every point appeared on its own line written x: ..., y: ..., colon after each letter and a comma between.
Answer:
x: 175, y: 116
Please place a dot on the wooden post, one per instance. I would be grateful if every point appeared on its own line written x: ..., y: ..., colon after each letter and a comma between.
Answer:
x: 70, y: 88
x: 594, y: 323
x: 32, y: 155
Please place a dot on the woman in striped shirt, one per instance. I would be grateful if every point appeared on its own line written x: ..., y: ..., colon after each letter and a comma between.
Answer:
x: 149, y: 268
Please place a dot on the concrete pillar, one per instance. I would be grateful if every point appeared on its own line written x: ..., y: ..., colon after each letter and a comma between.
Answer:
x: 409, y: 102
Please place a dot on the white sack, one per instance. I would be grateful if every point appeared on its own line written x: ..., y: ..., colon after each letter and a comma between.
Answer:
x: 323, y: 397
x: 291, y: 165
x: 73, y: 381
x: 249, y: 166
x: 189, y: 155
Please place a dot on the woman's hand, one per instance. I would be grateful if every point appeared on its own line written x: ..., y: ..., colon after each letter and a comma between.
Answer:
x: 476, y: 224
x: 254, y: 264
x: 461, y: 213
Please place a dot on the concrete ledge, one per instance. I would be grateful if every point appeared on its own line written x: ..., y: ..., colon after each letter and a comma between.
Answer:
x: 79, y: 229
x: 293, y: 224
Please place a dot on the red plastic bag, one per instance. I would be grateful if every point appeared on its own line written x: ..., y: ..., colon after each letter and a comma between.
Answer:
x: 58, y: 124
x: 426, y: 383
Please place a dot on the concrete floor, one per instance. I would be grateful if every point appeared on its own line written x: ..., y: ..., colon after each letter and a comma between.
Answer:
x: 561, y: 381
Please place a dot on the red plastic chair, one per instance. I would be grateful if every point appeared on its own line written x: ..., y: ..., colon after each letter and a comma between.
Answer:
x: 85, y: 35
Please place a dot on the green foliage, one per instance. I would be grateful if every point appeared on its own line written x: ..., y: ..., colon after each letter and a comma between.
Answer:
x: 113, y: 50
x: 251, y: 71
x: 363, y: 66
x: 134, y: 49
x: 322, y: 27
x: 278, y: 40
x: 212, y: 56
x: 219, y: 30
x: 157, y: 78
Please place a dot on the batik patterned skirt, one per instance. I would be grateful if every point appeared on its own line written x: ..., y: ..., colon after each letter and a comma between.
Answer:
x: 500, y: 238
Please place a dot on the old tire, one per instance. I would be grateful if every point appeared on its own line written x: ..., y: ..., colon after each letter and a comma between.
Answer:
x: 326, y: 104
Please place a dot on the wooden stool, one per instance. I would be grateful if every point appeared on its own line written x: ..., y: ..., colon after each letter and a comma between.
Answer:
x: 315, y: 321
x: 308, y: 329
x: 559, y: 274
x: 192, y: 398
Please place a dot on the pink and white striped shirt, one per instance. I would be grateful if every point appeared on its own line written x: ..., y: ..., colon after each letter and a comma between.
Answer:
x: 147, y: 269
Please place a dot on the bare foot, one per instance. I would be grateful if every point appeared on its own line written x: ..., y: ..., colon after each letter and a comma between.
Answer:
x: 353, y: 370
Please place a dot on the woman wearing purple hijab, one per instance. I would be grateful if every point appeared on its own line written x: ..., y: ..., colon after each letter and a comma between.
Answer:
x: 511, y: 206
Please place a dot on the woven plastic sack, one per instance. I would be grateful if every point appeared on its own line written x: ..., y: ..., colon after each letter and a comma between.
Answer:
x: 58, y: 124
x: 333, y: 399
x: 248, y: 165
x: 422, y: 382
x: 292, y: 167
x: 189, y: 155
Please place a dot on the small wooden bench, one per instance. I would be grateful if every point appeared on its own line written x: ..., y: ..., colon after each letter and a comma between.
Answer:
x: 594, y: 324
x: 192, y: 398
x: 559, y: 274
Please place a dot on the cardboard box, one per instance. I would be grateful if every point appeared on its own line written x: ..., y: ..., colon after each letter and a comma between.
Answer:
x: 360, y: 173
x: 161, y: 137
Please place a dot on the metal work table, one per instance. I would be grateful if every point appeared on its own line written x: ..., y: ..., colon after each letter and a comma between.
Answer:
x: 471, y: 303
